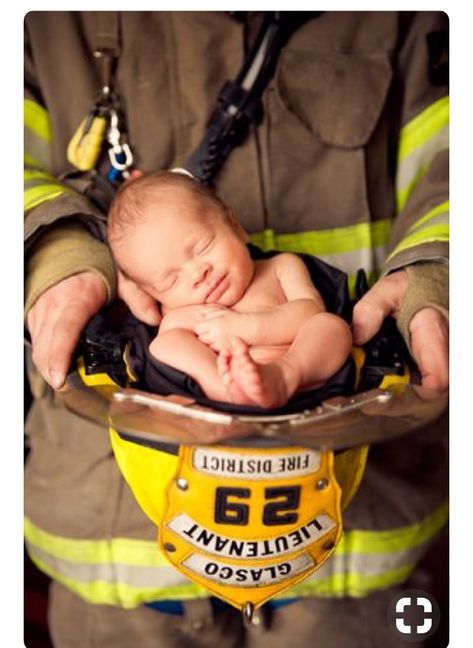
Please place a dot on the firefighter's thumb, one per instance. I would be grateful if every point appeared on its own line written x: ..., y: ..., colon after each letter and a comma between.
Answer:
x: 383, y: 299
x: 142, y: 305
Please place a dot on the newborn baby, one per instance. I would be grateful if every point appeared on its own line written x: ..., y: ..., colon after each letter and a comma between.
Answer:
x: 249, y: 332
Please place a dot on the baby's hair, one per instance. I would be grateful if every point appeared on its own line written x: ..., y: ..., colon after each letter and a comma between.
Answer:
x: 129, y: 204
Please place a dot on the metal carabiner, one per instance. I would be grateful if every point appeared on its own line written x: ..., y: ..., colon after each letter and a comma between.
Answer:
x: 122, y: 151
x: 119, y: 153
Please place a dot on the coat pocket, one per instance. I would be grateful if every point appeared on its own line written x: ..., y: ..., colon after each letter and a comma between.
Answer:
x: 338, y: 97
x: 323, y: 107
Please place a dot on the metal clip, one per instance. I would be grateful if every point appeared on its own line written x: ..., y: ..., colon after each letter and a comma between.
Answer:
x: 119, y: 153
x: 248, y: 612
x: 107, y: 59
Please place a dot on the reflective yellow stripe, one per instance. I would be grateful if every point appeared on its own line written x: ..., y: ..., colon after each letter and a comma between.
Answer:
x: 35, y: 178
x: 419, y: 142
x: 37, y: 120
x: 393, y: 540
x: 40, y: 187
x: 348, y: 248
x: 326, y: 242
x: 442, y: 208
x: 365, y: 561
x: 129, y: 572
x: 353, y: 585
x: 123, y: 550
x: 115, y: 593
x: 411, y: 171
x: 37, y: 195
x: 31, y: 161
x: 424, y: 126
x: 371, y: 277
x: 33, y: 174
x: 37, y: 136
x: 422, y: 232
x: 433, y: 234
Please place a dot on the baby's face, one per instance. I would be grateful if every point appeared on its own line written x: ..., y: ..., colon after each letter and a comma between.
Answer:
x: 181, y: 257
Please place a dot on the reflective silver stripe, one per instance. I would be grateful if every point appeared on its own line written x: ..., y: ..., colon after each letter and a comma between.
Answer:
x: 125, y: 572
x: 36, y: 182
x: 165, y: 577
x: 130, y: 575
x: 412, y: 168
x: 367, y: 564
x: 440, y: 219
x: 37, y: 150
x: 371, y: 259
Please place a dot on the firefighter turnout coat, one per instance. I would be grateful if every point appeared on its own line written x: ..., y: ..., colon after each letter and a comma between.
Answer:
x: 349, y: 163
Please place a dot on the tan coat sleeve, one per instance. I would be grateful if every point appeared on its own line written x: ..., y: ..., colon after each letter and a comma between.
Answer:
x: 67, y: 249
x: 428, y: 288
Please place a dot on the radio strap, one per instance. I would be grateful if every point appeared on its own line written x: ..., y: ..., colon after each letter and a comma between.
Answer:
x: 239, y: 106
x: 239, y: 103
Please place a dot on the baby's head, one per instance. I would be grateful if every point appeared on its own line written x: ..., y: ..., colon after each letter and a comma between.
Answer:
x: 178, y: 241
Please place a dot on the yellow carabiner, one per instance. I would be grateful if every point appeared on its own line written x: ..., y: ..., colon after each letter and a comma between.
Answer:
x: 86, y: 144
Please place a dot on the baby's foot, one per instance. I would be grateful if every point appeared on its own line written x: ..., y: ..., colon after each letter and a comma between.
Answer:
x: 265, y: 385
x: 235, y: 393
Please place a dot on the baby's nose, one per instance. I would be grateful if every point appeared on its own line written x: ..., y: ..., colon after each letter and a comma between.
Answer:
x: 201, y: 272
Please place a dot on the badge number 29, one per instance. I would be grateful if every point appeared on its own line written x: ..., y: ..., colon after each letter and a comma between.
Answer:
x: 282, y: 503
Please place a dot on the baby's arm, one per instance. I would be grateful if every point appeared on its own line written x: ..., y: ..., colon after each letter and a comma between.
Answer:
x: 187, y: 317
x: 178, y: 346
x: 275, y: 326
x: 281, y: 324
x: 323, y: 340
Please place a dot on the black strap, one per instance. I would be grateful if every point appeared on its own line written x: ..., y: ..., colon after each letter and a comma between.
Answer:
x: 107, y: 32
x: 239, y: 102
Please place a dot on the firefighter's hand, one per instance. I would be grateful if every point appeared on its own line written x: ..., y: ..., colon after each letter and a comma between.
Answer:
x: 142, y: 305
x: 56, y: 319
x: 428, y: 328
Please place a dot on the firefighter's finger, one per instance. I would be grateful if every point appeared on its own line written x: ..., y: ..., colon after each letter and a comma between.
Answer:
x: 57, y: 319
x: 41, y: 343
x: 429, y: 342
x: 64, y: 338
x: 382, y: 300
x: 34, y: 321
x: 142, y: 305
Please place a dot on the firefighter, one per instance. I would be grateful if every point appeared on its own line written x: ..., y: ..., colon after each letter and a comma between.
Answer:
x: 347, y: 162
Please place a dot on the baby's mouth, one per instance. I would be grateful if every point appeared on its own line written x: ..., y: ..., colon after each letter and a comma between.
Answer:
x: 217, y: 288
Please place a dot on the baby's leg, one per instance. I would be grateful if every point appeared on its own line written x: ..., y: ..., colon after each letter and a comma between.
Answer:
x: 255, y: 383
x: 238, y: 373
x: 181, y: 349
x: 317, y: 352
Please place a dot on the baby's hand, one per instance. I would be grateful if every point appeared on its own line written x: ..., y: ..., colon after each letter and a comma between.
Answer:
x: 188, y: 317
x: 218, y: 329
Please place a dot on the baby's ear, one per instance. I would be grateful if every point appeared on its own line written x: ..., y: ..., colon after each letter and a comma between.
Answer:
x: 237, y: 226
